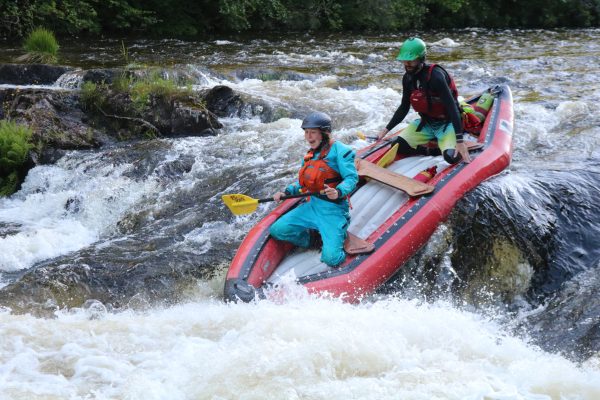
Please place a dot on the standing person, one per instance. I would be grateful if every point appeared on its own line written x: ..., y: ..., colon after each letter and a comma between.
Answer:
x: 431, y: 91
x: 328, y: 168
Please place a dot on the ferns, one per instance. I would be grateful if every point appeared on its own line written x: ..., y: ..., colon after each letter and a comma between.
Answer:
x: 14, y: 148
x: 14, y: 145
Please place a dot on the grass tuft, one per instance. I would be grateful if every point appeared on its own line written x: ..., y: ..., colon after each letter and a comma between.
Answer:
x: 157, y: 86
x: 41, y: 46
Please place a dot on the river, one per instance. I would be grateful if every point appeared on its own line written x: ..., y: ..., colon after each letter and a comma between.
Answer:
x: 155, y: 206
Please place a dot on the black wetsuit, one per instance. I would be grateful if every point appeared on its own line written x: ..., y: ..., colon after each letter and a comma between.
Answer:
x: 438, y: 83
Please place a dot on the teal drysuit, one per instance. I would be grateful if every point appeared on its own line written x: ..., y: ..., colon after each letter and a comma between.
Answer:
x: 330, y: 218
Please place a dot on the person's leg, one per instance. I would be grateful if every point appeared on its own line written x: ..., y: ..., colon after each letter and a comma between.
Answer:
x: 412, y: 136
x: 447, y: 143
x: 412, y: 139
x: 294, y: 226
x: 333, y: 227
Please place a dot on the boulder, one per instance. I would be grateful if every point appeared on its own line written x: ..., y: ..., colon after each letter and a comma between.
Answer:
x: 31, y: 74
x: 225, y: 102
x: 54, y: 116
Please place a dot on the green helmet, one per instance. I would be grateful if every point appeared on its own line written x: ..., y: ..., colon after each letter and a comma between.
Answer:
x: 412, y: 49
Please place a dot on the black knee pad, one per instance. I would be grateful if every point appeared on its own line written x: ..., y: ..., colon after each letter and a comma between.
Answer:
x: 403, y: 146
x: 451, y: 156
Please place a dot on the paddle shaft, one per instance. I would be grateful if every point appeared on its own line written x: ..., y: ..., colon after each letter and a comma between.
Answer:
x: 291, y: 196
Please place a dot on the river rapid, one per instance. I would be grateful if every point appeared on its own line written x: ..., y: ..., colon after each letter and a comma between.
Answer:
x: 150, y: 212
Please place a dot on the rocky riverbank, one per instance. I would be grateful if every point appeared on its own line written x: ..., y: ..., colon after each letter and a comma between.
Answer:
x: 105, y: 106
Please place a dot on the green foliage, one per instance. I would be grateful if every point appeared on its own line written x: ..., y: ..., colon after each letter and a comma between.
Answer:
x: 73, y: 16
x: 14, y: 147
x: 122, y: 83
x: 141, y: 90
x: 156, y: 86
x: 92, y: 95
x: 385, y: 15
x: 9, y: 184
x: 239, y: 13
x: 41, y: 46
x: 196, y: 17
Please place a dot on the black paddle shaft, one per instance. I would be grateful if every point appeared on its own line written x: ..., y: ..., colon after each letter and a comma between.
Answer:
x: 291, y: 196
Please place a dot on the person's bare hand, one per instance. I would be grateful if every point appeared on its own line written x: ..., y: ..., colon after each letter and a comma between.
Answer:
x: 277, y: 196
x: 463, y: 150
x: 382, y: 134
x: 330, y: 192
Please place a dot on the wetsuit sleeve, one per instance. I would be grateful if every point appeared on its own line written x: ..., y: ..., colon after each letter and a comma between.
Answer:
x: 439, y: 84
x: 294, y: 188
x: 404, y: 105
x: 345, y: 163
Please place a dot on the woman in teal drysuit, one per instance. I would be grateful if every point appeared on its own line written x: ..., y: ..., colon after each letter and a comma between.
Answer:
x: 328, y: 168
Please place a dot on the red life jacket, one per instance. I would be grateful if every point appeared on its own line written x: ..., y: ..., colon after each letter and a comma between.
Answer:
x: 314, y: 174
x: 429, y: 103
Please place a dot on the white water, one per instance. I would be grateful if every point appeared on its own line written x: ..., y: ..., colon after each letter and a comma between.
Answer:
x: 307, y: 348
x: 65, y: 207
x: 103, y: 193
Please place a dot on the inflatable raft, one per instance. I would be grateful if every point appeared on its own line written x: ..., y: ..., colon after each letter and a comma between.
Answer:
x: 391, y: 224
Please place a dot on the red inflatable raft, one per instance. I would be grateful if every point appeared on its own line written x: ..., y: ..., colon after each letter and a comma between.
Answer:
x: 391, y: 223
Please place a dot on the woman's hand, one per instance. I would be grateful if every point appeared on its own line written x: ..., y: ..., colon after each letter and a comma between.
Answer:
x: 277, y: 196
x: 331, y: 193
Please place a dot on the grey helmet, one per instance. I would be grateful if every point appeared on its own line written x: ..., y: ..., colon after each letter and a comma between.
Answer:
x: 318, y: 120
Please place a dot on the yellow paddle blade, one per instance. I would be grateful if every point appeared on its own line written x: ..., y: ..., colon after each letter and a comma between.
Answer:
x: 388, y: 157
x: 240, y: 204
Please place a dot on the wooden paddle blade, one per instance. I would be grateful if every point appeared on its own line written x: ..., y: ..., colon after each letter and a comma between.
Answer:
x: 411, y: 186
x: 388, y: 157
x: 240, y: 204
x: 355, y: 245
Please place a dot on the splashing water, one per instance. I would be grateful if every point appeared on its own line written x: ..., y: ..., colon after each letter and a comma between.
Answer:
x: 307, y: 348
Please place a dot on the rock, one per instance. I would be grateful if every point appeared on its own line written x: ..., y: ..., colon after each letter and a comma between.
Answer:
x: 105, y: 75
x: 54, y: 116
x: 31, y: 74
x: 222, y: 100
x: 225, y: 102
x: 138, y: 269
x: 193, y: 122
x: 569, y: 322
x: 271, y: 75
x: 176, y: 115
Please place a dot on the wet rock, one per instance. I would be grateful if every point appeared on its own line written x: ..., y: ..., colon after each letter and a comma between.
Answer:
x: 271, y: 75
x: 570, y: 322
x: 529, y: 221
x: 159, y: 260
x: 105, y: 75
x: 9, y: 229
x: 191, y: 120
x: 181, y: 75
x: 225, y: 102
x: 117, y: 114
x: 31, y: 74
x: 121, y: 275
x: 54, y: 116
